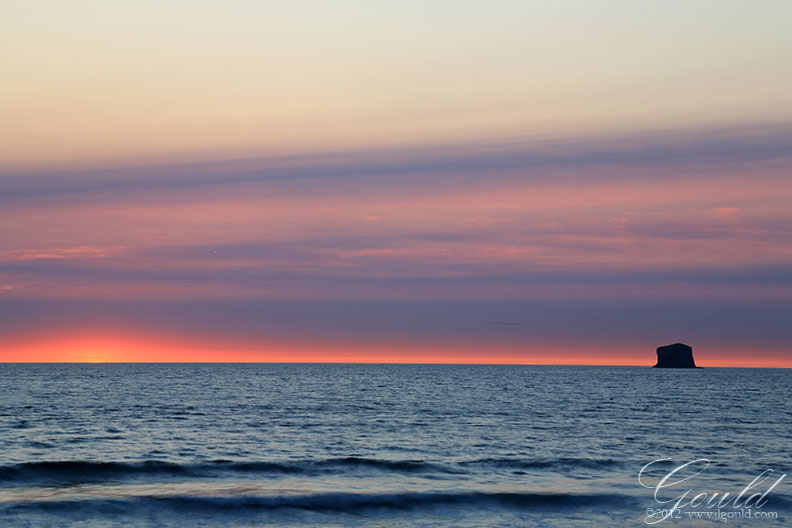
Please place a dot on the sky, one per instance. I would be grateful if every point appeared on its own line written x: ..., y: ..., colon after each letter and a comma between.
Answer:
x: 565, y: 182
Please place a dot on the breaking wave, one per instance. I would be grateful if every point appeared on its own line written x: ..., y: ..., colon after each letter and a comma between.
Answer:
x: 338, y: 502
x: 97, y: 471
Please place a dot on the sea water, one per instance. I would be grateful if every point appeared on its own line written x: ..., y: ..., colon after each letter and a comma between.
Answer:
x: 244, y: 445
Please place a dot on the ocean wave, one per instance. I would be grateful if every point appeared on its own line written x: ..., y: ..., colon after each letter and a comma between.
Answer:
x: 76, y: 472
x: 97, y: 471
x: 334, y: 502
x: 86, y: 471
x: 332, y: 464
x: 563, y: 463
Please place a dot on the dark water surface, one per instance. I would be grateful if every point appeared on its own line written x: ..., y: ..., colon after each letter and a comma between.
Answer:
x: 222, y: 445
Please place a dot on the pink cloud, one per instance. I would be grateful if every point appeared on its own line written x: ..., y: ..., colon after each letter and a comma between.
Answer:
x: 726, y: 214
x: 21, y: 255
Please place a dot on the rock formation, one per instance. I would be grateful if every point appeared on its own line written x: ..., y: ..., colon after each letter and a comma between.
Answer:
x: 677, y: 355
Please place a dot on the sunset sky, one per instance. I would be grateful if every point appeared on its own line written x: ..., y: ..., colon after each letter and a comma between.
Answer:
x: 365, y: 180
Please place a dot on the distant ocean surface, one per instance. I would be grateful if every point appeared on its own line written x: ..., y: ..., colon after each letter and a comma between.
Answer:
x: 248, y: 445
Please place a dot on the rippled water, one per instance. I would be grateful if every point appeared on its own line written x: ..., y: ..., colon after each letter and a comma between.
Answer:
x: 221, y: 445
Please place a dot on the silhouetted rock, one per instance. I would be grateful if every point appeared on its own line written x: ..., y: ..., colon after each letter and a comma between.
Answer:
x: 677, y: 355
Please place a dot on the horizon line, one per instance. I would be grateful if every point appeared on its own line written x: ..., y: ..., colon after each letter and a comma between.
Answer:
x: 699, y: 367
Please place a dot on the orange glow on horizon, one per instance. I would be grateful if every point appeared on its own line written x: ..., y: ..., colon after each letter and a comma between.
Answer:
x: 118, y: 348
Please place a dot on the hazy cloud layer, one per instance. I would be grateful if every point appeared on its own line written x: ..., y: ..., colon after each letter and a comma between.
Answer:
x: 692, y: 220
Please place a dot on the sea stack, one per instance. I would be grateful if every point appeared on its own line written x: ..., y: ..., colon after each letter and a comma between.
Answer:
x: 677, y: 355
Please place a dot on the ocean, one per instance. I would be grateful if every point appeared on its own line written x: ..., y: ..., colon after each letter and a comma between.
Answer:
x: 249, y: 445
